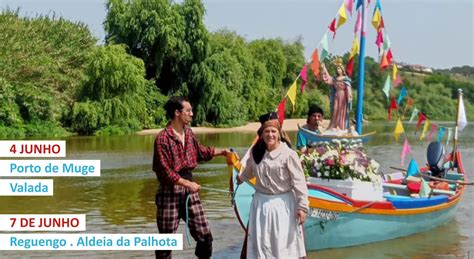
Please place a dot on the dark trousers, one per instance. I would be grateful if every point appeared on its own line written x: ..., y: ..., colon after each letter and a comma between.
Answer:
x: 171, y: 204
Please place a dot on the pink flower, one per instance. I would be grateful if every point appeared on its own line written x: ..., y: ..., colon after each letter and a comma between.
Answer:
x: 329, y: 162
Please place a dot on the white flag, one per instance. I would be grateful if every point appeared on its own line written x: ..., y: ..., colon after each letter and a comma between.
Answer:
x: 462, y: 121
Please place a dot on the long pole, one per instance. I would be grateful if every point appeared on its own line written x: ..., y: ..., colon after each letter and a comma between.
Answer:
x: 360, y: 77
x: 455, y: 141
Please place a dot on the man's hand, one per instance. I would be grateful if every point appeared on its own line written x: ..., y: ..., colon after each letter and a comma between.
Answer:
x: 193, y: 187
x: 301, y: 216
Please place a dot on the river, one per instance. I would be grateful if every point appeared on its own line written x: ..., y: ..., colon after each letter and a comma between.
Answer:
x: 122, y: 199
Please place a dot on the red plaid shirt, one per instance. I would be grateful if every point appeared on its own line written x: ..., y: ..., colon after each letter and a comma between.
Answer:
x: 172, y: 160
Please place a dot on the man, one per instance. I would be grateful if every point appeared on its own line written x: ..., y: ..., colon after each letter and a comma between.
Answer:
x: 315, y: 117
x: 176, y: 153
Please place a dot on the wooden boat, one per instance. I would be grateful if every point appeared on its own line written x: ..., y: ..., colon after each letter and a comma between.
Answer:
x: 336, y: 220
x: 312, y: 137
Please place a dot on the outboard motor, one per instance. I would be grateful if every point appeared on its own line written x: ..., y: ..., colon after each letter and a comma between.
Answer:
x: 435, y: 154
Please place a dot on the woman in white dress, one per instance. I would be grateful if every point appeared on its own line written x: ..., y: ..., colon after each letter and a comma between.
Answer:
x: 280, y: 204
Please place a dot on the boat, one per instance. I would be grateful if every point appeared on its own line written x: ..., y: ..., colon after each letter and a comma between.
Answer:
x: 351, y: 212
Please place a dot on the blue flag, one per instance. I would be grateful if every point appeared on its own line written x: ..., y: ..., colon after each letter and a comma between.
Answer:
x: 401, y: 96
x: 412, y: 168
x: 440, y: 134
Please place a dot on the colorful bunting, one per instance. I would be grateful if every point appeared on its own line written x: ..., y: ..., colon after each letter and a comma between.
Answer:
x: 281, y: 110
x: 413, y: 168
x: 394, y: 71
x: 405, y: 150
x: 462, y: 121
x: 440, y: 134
x: 342, y: 16
x: 384, y: 62
x: 413, y: 114
x: 358, y: 23
x: 332, y: 27
x: 425, y: 189
x: 381, y: 24
x: 348, y: 4
x: 432, y: 131
x: 450, y: 133
x: 378, y: 6
x: 350, y: 67
x: 379, y: 39
x: 398, y: 129
x: 324, y: 47
x: 389, y: 56
x: 315, y: 64
x: 292, y: 94
x: 409, y: 102
x: 386, y: 41
x: 421, y: 119
x: 403, y: 93
x: 359, y: 3
x: 393, y: 106
x: 425, y: 129
x: 397, y: 81
x: 386, y: 87
x: 355, y: 47
x: 376, y: 19
x: 303, y: 75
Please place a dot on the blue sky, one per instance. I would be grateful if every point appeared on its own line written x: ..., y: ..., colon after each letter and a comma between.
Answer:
x: 434, y: 33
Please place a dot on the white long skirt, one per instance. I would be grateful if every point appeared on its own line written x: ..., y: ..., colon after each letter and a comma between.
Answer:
x: 273, y: 230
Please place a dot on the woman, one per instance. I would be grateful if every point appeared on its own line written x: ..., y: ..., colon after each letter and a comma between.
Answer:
x: 342, y: 95
x: 280, y: 203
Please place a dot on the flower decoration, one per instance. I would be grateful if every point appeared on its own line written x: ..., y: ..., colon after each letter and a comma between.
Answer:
x: 340, y: 159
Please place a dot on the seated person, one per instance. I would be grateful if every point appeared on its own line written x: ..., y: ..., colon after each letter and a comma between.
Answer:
x: 315, y: 117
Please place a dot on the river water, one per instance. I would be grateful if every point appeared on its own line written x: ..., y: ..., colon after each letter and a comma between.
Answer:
x: 122, y: 199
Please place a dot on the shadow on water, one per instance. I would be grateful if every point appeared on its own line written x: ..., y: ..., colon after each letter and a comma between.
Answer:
x: 121, y: 200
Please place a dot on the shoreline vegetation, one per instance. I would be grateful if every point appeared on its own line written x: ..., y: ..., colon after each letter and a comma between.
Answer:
x: 57, y: 80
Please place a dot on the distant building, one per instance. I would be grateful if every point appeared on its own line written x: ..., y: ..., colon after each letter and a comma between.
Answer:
x: 414, y: 68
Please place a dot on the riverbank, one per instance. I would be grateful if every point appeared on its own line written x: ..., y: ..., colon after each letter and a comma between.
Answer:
x: 288, y: 125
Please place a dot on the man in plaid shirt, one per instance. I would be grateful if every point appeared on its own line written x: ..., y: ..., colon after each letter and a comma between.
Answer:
x: 176, y: 153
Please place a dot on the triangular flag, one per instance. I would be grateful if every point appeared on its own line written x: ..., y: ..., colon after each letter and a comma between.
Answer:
x: 386, y: 41
x: 379, y: 39
x: 389, y: 56
x: 381, y: 24
x: 405, y: 150
x: 394, y: 71
x: 378, y: 6
x: 403, y: 93
x: 425, y: 189
x: 440, y: 134
x: 348, y: 4
x: 384, y: 62
x: 386, y: 87
x: 376, y: 19
x: 397, y: 81
x: 409, y: 102
x: 421, y: 118
x: 342, y: 16
x: 425, y: 129
x: 413, y: 114
x: 398, y: 130
x: 281, y: 110
x: 413, y: 168
x: 355, y: 47
x: 462, y: 121
x: 349, y: 67
x: 432, y: 131
x: 292, y: 94
x: 303, y: 74
x: 359, y: 3
x: 393, y: 105
x: 358, y: 23
x: 332, y: 27
x: 324, y: 47
x: 315, y: 64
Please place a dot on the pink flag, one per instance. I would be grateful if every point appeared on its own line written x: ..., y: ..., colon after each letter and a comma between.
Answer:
x: 358, y: 23
x: 303, y: 77
x: 433, y: 129
x: 348, y: 5
x: 406, y: 149
x: 397, y: 81
x: 332, y: 27
x: 379, y: 40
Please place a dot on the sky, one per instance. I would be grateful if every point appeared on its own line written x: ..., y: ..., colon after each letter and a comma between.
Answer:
x: 432, y: 33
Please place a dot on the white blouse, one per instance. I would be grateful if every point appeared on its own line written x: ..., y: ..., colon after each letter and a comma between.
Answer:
x: 279, y: 171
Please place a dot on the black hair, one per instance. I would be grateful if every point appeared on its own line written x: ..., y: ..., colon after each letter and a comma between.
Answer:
x: 173, y: 104
x: 314, y: 109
